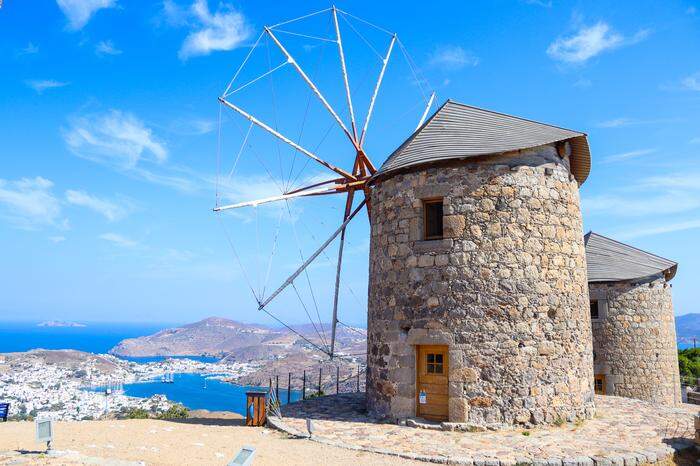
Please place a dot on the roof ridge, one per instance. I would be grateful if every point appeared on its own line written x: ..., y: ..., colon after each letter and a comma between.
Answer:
x: 510, y: 116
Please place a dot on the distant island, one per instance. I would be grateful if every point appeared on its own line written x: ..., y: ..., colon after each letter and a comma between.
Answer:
x: 59, y: 323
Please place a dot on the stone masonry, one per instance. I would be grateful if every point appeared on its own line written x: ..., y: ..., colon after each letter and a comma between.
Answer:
x: 505, y: 289
x: 634, y: 340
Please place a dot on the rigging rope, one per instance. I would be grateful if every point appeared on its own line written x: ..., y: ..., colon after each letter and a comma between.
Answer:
x: 306, y: 113
x: 250, y: 52
x: 258, y: 78
x: 240, y: 150
x: 304, y: 35
x: 412, y: 66
x: 351, y: 328
x: 365, y: 21
x: 240, y: 264
x: 274, y: 110
x: 218, y: 159
x: 300, y: 18
x: 295, y: 332
x: 306, y: 271
x: 320, y: 337
x: 381, y: 59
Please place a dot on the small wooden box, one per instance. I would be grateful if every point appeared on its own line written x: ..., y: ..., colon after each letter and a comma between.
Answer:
x: 255, y: 409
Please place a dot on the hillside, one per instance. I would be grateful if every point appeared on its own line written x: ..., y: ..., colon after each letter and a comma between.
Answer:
x: 220, y: 337
x: 687, y: 327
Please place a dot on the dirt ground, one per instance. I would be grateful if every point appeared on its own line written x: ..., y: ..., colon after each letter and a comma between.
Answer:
x: 199, y: 441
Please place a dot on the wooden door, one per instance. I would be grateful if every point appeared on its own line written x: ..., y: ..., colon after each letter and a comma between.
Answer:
x: 432, y: 382
x: 599, y: 384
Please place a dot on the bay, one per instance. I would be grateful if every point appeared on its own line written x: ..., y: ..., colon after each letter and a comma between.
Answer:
x: 191, y: 391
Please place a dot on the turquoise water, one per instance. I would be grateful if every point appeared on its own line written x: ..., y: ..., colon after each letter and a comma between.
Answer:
x: 189, y: 390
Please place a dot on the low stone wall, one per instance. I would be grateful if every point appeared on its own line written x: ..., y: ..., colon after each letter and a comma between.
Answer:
x: 634, y: 340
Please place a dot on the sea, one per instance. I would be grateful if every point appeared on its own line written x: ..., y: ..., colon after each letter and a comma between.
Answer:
x: 195, y: 391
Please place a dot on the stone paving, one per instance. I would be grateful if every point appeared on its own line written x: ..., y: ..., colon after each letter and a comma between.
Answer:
x: 624, y: 432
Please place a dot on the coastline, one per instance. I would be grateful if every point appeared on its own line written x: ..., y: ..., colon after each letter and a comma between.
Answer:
x: 65, y: 384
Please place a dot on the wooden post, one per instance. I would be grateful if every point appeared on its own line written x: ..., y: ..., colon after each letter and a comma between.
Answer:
x: 277, y: 387
x: 289, y: 387
x: 319, y: 380
x: 358, y: 377
x: 337, y: 379
x: 303, y: 386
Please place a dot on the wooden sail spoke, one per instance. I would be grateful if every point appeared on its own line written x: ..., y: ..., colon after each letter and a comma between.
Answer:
x: 376, y: 90
x: 312, y: 257
x: 301, y: 192
x: 348, y: 206
x: 425, y: 112
x: 341, y: 53
x: 313, y: 87
x: 283, y: 138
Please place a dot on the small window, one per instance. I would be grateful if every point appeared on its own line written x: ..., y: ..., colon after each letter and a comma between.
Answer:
x: 434, y: 363
x: 599, y: 384
x: 432, y: 219
x: 595, y: 312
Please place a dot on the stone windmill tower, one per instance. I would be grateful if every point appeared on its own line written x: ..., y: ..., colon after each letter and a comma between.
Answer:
x: 478, y: 300
x: 634, y: 333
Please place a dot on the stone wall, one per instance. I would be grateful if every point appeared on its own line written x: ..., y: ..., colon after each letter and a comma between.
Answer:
x: 634, y: 340
x: 505, y: 289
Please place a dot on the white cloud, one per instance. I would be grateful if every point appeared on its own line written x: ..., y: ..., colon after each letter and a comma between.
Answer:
x: 626, y: 121
x: 108, y: 209
x: 40, y: 85
x: 656, y: 229
x: 29, y: 203
x: 590, y: 41
x: 542, y: 3
x: 193, y: 126
x: 120, y: 240
x: 57, y: 239
x: 117, y: 138
x: 628, y: 155
x: 691, y: 83
x: 106, y: 47
x: 79, y: 12
x: 638, y: 205
x: 655, y: 196
x: 224, y: 30
x: 30, y: 49
x: 452, y: 57
x: 689, y: 181
x: 174, y: 14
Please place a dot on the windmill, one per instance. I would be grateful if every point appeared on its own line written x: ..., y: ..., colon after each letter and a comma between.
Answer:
x: 351, y: 165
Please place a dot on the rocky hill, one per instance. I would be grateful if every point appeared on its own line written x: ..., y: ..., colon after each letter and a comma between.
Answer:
x: 687, y: 327
x: 216, y: 336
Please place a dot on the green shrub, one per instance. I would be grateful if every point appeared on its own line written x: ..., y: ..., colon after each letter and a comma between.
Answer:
x: 689, y: 364
x: 175, y: 412
x: 136, y: 413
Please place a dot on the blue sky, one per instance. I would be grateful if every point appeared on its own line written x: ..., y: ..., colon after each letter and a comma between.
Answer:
x: 110, y: 139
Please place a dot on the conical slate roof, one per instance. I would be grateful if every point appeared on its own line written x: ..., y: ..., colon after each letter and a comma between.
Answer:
x: 459, y: 131
x: 611, y: 261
